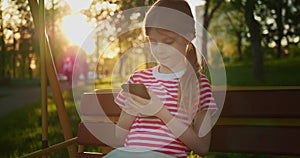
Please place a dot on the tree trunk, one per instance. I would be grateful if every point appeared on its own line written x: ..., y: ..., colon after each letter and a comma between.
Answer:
x: 239, y: 45
x: 280, y: 30
x: 238, y: 32
x: 14, y: 65
x: 255, y: 38
x: 207, y: 16
x: 2, y: 46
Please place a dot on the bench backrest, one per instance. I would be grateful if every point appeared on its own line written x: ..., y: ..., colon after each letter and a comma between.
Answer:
x: 252, y: 121
x: 259, y: 121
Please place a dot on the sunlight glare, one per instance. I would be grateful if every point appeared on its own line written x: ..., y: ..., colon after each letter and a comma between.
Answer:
x: 77, y: 29
x: 78, y: 5
x: 111, y: 55
x: 5, y: 4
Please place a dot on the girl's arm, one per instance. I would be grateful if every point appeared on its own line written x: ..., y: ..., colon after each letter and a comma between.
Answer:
x: 191, y: 136
x: 124, y: 123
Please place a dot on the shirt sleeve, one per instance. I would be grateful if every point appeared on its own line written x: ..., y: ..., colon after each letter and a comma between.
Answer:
x: 120, y: 99
x: 207, y: 101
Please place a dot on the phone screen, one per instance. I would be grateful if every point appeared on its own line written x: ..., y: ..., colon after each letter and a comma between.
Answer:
x: 136, y: 89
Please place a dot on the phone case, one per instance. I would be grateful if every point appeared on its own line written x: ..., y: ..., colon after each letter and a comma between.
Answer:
x: 136, y: 89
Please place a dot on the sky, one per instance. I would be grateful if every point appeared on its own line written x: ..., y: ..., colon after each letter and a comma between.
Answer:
x: 77, y: 28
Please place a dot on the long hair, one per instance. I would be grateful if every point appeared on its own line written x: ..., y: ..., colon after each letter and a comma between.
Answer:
x: 188, y: 91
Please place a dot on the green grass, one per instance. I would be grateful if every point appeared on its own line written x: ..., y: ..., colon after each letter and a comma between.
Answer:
x: 21, y: 130
x: 283, y: 72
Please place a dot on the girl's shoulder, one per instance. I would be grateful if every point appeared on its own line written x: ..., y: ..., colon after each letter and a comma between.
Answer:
x: 142, y: 74
x: 204, y: 81
x: 147, y: 71
x: 204, y: 78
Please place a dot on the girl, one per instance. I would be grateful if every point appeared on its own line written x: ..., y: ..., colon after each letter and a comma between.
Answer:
x: 181, y: 99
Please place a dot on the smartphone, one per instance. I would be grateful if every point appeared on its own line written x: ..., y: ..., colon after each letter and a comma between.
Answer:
x: 136, y: 89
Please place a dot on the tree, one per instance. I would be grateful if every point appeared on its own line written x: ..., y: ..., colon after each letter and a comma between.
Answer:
x: 2, y: 46
x: 18, y: 28
x: 210, y: 8
x: 279, y: 7
x: 280, y: 23
x: 269, y: 24
x: 255, y: 38
x: 228, y: 27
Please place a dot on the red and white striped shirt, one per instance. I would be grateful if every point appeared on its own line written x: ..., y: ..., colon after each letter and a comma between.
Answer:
x: 150, y: 132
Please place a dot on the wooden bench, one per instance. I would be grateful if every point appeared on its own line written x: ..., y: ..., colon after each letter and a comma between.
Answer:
x: 252, y: 121
x: 91, y: 113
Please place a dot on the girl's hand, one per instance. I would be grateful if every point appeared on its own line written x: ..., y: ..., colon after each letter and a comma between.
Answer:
x: 130, y: 108
x: 152, y: 107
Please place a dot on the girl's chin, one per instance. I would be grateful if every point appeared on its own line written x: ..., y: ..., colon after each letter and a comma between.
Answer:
x: 171, y: 67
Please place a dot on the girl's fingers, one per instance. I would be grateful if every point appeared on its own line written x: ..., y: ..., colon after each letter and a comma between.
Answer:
x: 153, y: 95
x: 138, y: 100
x: 142, y: 105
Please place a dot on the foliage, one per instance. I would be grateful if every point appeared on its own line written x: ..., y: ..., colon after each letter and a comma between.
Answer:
x: 280, y: 27
x: 18, y: 33
x: 271, y: 24
x: 210, y: 8
x: 229, y: 30
x: 278, y: 23
x: 19, y: 53
x: 293, y: 51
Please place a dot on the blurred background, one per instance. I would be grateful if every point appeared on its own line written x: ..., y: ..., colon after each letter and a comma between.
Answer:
x: 259, y: 42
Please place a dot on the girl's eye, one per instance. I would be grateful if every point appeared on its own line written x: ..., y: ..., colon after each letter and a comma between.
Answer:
x: 169, y: 41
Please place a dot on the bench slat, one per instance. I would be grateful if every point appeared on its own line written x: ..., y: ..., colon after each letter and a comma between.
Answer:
x: 261, y: 103
x: 254, y: 139
x: 236, y: 121
x: 96, y: 104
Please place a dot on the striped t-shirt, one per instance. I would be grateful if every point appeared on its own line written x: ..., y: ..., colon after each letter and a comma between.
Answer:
x: 150, y: 132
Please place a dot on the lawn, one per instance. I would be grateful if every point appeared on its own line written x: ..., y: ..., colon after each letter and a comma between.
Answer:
x: 283, y: 72
x: 21, y: 130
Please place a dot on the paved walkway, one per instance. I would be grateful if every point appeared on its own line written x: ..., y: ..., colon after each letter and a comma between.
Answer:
x: 12, y: 98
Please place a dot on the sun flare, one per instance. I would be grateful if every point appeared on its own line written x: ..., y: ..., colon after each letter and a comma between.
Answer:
x: 77, y: 29
x: 75, y: 25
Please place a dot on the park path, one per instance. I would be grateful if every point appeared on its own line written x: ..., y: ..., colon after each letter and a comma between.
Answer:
x: 15, y: 97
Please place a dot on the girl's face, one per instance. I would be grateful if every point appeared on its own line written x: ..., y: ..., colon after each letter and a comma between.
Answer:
x: 168, y: 48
